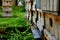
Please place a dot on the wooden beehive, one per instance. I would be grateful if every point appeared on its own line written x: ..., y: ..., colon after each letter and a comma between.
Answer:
x: 40, y: 21
x: 52, y: 24
x: 48, y: 17
x: 7, y: 8
x: 34, y: 16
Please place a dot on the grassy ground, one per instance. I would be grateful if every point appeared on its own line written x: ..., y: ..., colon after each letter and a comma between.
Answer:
x: 18, y: 19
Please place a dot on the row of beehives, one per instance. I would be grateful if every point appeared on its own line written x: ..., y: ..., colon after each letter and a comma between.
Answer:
x: 49, y: 5
x: 52, y: 22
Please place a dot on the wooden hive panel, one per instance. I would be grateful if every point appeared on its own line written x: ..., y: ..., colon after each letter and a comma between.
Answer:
x: 51, y: 5
x: 42, y: 4
x: 57, y: 26
x: 28, y: 6
x: 7, y: 14
x: 27, y: 0
x: 50, y: 27
x: 47, y: 16
x: 6, y: 0
x: 56, y: 2
x: 40, y: 21
x: 54, y: 29
x: 34, y: 16
x: 59, y: 32
x: 7, y: 8
x: 30, y: 16
x: 27, y: 14
x: 7, y: 3
x: 47, y: 4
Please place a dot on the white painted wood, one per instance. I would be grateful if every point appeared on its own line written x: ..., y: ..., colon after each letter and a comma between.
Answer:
x: 7, y: 9
x: 56, y: 5
x: 30, y: 16
x: 34, y: 17
x: 42, y: 4
x: 27, y: 0
x: 40, y: 23
x: 51, y: 5
x: 7, y: 14
x: 59, y: 32
x: 47, y: 4
x: 47, y: 23
x: 29, y: 6
x: 27, y: 14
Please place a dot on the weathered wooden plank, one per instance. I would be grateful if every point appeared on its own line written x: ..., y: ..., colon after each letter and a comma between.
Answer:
x: 47, y: 4
x: 7, y: 4
x: 42, y: 4
x: 7, y: 14
x: 51, y: 5
x: 34, y: 16
x: 59, y: 32
x: 30, y: 16
x: 56, y: 5
x: 7, y: 9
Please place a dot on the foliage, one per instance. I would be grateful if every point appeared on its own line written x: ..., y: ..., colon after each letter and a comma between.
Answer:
x: 17, y: 20
x: 15, y: 34
x: 17, y: 23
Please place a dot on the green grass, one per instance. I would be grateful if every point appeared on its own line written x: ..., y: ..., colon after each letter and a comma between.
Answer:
x: 0, y: 11
x: 18, y: 19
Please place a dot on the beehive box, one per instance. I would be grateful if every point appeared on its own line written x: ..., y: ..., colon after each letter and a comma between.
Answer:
x: 40, y: 19
x: 57, y: 26
x: 7, y: 3
x: 7, y: 8
x: 53, y: 28
x: 30, y: 16
x: 34, y: 16
x: 7, y: 14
